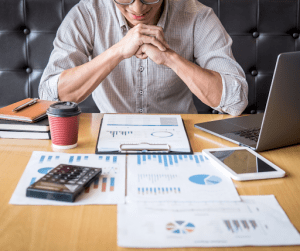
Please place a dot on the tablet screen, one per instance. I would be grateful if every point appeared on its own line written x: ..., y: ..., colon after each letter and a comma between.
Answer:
x: 242, y: 161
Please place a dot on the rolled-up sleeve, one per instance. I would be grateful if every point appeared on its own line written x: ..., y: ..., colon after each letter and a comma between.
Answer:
x: 212, y: 50
x: 72, y: 47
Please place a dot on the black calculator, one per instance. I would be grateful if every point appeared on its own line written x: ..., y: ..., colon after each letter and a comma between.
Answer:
x: 64, y: 183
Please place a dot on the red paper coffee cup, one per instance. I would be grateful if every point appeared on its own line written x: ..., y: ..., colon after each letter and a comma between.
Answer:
x: 64, y: 123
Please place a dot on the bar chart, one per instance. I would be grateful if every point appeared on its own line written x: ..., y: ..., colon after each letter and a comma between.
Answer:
x: 161, y: 177
x: 109, y: 188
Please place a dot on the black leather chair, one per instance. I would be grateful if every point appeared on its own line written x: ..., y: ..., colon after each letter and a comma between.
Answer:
x: 260, y: 29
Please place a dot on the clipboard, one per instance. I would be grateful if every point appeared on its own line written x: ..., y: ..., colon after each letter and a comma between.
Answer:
x: 143, y: 147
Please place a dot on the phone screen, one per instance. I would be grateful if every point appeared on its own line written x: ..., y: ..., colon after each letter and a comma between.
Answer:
x: 242, y: 161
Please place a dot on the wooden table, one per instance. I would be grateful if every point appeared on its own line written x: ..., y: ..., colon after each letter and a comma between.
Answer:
x: 94, y: 227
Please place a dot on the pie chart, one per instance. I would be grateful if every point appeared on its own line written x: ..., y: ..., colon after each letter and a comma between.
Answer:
x: 180, y: 227
x: 205, y: 179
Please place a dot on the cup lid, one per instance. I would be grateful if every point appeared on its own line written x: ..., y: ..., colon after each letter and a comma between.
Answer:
x: 64, y: 109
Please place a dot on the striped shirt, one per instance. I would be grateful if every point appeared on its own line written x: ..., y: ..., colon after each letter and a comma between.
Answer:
x: 140, y: 86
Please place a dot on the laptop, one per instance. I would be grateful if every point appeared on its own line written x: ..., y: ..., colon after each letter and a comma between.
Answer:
x: 279, y: 125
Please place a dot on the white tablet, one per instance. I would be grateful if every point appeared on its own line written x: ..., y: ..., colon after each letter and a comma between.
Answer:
x: 242, y: 163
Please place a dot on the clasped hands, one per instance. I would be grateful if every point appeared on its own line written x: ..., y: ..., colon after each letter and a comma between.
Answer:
x: 145, y: 41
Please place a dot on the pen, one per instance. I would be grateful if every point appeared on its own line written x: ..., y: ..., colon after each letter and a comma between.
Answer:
x: 29, y: 103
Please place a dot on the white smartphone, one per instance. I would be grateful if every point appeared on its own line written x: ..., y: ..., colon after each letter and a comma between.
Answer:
x: 242, y: 163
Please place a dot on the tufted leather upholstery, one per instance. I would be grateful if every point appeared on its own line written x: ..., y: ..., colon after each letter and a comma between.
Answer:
x: 260, y: 29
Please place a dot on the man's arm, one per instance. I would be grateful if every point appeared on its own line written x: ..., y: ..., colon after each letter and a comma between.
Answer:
x: 205, y: 84
x: 77, y: 83
x: 70, y: 75
x: 214, y: 76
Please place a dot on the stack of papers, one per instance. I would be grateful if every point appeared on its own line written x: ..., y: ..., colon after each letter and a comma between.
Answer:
x: 172, y: 200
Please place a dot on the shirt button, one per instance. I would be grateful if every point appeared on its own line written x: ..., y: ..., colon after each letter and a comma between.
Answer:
x: 141, y: 110
x: 141, y: 68
x: 141, y: 92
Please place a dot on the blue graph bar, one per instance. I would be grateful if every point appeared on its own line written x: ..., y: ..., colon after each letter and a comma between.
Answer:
x: 49, y: 158
x: 115, y: 158
x: 56, y: 157
x: 206, y: 158
x: 165, y: 161
x: 175, y: 159
x: 112, y: 182
x: 78, y: 158
x: 86, y: 157
x: 32, y: 180
x: 159, y: 159
x: 42, y: 159
x: 107, y: 158
x: 201, y: 158
x: 154, y: 189
x: 171, y: 160
x: 71, y: 159
x: 100, y: 157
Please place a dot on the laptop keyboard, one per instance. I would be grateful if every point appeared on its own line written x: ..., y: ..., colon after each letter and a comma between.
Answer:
x: 249, y: 133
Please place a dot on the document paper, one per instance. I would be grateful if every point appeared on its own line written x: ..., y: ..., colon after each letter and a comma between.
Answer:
x: 179, y: 178
x: 108, y: 189
x: 256, y: 221
x: 118, y: 129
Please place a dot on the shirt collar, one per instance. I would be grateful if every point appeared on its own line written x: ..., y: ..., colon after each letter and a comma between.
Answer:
x: 161, y: 21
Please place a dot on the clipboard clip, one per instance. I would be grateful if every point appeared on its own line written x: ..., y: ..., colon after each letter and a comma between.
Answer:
x: 144, y: 148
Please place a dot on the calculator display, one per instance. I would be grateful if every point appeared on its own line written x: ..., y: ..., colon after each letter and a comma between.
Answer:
x: 63, y: 183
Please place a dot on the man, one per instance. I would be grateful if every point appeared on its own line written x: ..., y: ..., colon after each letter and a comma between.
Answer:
x: 145, y: 56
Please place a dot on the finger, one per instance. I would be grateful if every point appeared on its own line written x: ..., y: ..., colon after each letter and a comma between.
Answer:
x: 152, y: 30
x: 158, y: 36
x: 142, y: 56
x: 153, y: 41
x: 140, y: 53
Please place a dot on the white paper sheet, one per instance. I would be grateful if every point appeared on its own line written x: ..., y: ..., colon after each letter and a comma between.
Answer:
x: 118, y: 129
x: 108, y: 189
x: 256, y: 221
x: 176, y: 178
